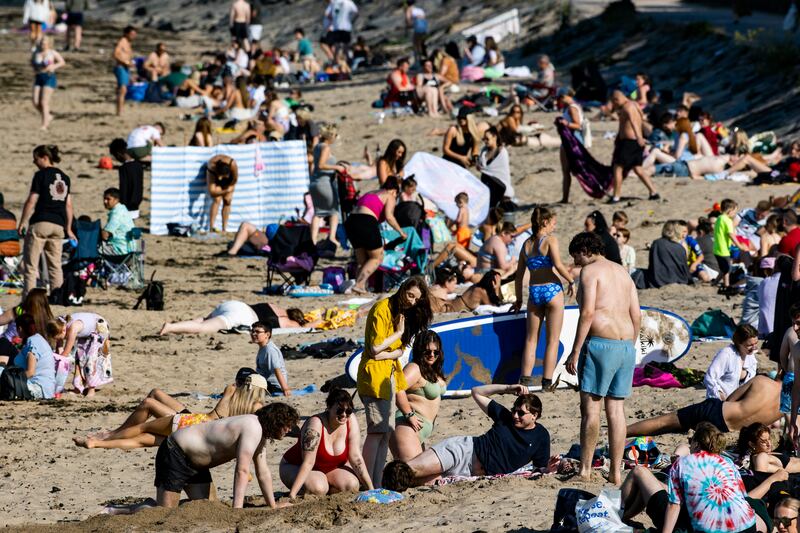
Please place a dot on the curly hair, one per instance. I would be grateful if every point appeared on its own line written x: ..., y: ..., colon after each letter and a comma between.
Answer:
x: 587, y: 243
x: 276, y: 417
x: 397, y: 476
x: 434, y: 372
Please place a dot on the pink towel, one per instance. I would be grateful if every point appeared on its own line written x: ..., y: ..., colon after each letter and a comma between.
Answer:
x: 657, y: 378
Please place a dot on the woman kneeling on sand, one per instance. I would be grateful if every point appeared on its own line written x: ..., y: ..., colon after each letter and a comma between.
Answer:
x: 418, y: 406
x: 327, y: 457
x: 246, y: 396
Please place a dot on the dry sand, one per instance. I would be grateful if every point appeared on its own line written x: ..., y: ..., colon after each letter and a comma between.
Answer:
x: 46, y: 480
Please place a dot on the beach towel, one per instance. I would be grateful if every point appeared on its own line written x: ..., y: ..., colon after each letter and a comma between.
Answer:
x: 273, y: 177
x: 654, y: 377
x: 378, y: 496
x: 334, y: 317
x: 439, y: 181
x: 95, y: 367
x: 594, y: 177
x: 713, y: 323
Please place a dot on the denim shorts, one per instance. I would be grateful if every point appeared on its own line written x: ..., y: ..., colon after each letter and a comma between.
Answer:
x: 45, y: 79
x: 606, y: 367
x: 123, y: 76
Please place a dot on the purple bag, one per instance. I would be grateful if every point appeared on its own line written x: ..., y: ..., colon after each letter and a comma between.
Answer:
x: 333, y: 276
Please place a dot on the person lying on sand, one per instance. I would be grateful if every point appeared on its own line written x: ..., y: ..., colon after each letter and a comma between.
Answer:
x: 484, y: 292
x: 233, y: 314
x: 246, y: 396
x: 515, y: 439
x: 756, y: 401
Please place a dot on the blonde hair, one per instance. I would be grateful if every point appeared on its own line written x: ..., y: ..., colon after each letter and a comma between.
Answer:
x: 789, y: 503
x: 472, y: 128
x: 670, y: 231
x: 741, y: 142
x: 247, y: 399
x: 328, y: 131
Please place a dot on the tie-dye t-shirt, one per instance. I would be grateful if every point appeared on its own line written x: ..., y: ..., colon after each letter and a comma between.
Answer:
x: 712, y: 490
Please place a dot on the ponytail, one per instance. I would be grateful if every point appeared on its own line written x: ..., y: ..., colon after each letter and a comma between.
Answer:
x: 539, y: 218
x: 50, y: 151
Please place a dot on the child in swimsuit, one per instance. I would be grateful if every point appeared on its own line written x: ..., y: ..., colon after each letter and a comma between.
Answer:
x: 463, y: 233
x: 537, y: 259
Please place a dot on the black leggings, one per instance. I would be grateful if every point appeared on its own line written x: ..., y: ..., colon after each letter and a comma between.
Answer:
x: 497, y: 189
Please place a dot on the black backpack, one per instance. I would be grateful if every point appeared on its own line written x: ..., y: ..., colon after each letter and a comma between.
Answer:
x: 72, y: 292
x: 14, y: 384
x: 153, y: 295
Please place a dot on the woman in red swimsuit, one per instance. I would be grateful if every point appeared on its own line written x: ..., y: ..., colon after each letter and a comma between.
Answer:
x: 327, y: 457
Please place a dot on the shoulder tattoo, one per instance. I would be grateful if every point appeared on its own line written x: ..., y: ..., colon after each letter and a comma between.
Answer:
x: 310, y: 440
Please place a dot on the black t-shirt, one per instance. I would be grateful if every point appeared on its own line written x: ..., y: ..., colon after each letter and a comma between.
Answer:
x: 306, y: 132
x: 505, y: 448
x: 52, y: 186
x: 131, y: 184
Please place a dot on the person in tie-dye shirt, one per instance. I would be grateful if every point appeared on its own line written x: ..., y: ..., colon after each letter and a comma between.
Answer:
x: 711, y: 488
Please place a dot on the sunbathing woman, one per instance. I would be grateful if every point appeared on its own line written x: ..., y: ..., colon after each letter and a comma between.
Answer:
x: 485, y: 292
x: 234, y: 314
x: 513, y: 131
x: 418, y: 405
x: 392, y: 161
x: 429, y: 89
x: 755, y: 440
x: 235, y: 101
x: 327, y: 458
x: 237, y: 400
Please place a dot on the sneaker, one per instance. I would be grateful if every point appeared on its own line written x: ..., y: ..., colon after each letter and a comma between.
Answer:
x: 613, y: 200
x: 655, y: 197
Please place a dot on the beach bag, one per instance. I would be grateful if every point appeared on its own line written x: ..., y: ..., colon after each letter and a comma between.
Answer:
x: 14, y: 385
x: 95, y: 366
x: 439, y: 230
x: 333, y: 276
x: 601, y: 514
x: 136, y: 92
x: 586, y: 132
x: 153, y: 295
x: 713, y: 323
x: 564, y: 519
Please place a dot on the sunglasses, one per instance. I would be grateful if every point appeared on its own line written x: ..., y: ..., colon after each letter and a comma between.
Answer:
x: 344, y: 411
x: 784, y: 521
x: 256, y: 332
x: 519, y: 412
x: 431, y: 352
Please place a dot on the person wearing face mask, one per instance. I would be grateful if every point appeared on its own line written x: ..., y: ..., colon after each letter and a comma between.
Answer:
x: 734, y: 365
x: 391, y: 324
x: 327, y: 456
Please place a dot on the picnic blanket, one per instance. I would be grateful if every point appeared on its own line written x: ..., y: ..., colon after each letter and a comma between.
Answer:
x: 272, y: 180
x: 440, y: 181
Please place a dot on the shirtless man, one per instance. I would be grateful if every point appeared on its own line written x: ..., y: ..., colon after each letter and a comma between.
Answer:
x: 185, y: 457
x: 157, y: 63
x: 123, y: 59
x: 629, y: 146
x: 758, y: 400
x: 790, y: 354
x: 239, y: 19
x: 608, y: 328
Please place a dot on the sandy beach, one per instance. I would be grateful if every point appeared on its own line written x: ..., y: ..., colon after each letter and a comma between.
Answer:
x: 46, y: 483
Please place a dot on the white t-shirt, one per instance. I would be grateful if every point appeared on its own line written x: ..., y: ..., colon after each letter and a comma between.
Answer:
x: 343, y: 13
x: 725, y: 369
x: 142, y: 136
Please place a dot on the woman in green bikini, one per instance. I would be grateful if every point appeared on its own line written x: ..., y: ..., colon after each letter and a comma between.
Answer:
x: 418, y: 406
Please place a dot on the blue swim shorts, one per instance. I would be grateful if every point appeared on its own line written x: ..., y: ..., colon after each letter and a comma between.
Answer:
x: 786, y: 393
x: 605, y: 367
x: 123, y: 76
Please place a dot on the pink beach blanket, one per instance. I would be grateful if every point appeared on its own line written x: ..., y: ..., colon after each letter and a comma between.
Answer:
x: 654, y: 377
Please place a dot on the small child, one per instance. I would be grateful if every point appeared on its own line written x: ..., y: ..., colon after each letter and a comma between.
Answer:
x: 626, y: 251
x: 619, y: 220
x: 724, y: 238
x: 463, y: 233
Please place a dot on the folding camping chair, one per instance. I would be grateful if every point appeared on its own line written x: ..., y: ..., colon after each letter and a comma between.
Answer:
x: 401, y: 259
x: 292, y: 258
x: 543, y: 98
x: 126, y: 270
x: 10, y: 253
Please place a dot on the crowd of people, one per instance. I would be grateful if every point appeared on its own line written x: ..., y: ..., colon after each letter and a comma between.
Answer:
x: 752, y: 250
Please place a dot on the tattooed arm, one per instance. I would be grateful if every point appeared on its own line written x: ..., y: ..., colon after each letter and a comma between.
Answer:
x: 355, y: 457
x: 309, y: 443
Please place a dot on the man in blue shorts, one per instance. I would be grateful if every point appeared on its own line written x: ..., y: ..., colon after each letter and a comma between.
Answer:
x: 123, y: 60
x: 603, y: 354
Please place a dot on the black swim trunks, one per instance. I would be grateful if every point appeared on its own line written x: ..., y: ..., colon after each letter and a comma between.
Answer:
x: 657, y: 507
x: 709, y: 410
x: 341, y: 37
x: 627, y: 154
x: 239, y: 31
x: 174, y: 470
x: 363, y: 231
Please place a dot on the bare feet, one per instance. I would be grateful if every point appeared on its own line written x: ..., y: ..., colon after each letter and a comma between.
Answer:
x: 89, y: 393
x: 164, y: 329
x: 84, y: 442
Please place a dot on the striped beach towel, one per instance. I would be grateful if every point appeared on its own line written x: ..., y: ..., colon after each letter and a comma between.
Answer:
x: 273, y: 177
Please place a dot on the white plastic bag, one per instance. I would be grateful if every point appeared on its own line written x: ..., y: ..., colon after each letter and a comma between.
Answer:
x: 601, y: 514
